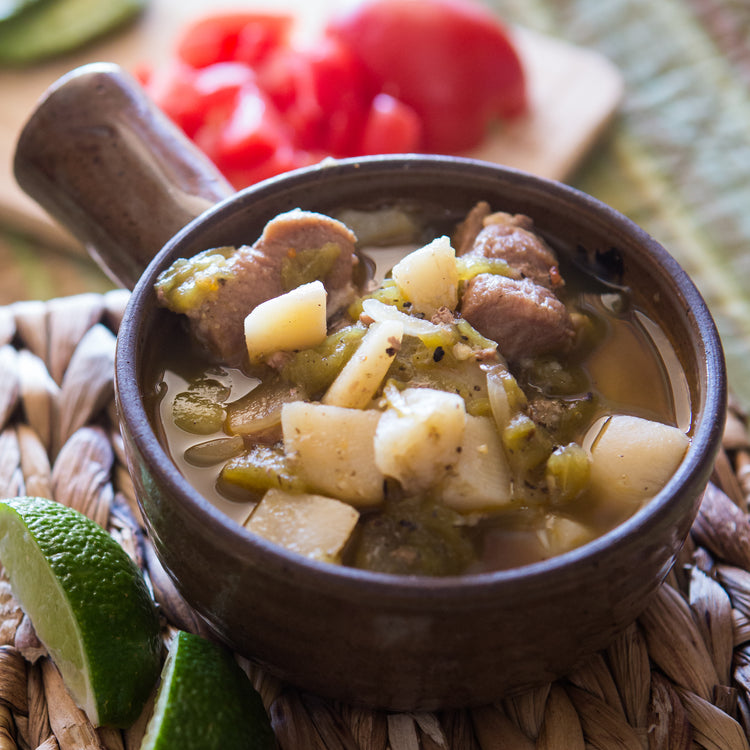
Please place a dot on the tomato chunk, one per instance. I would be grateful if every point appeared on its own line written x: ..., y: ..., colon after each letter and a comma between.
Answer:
x: 224, y: 37
x: 389, y: 76
x: 450, y: 60
x: 250, y: 134
x: 322, y: 92
x: 392, y: 127
x: 173, y: 90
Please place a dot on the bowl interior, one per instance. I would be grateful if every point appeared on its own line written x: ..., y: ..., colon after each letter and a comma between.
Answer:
x: 577, y: 225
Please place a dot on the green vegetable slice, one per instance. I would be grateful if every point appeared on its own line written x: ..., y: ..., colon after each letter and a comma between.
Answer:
x: 11, y: 8
x: 41, y: 30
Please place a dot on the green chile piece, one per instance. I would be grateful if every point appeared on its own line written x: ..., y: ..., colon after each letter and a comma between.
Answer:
x: 189, y: 282
x: 308, y: 265
x: 527, y: 445
x: 200, y: 409
x: 315, y: 369
x: 414, y: 537
x: 434, y: 366
x: 262, y: 468
x: 257, y: 414
x: 470, y: 266
x: 568, y: 470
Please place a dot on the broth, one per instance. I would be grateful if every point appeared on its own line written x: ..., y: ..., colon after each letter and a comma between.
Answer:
x: 627, y: 367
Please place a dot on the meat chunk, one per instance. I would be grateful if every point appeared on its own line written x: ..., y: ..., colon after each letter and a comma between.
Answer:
x: 283, y: 257
x: 524, y: 318
x: 289, y: 235
x: 511, y: 237
x: 470, y: 227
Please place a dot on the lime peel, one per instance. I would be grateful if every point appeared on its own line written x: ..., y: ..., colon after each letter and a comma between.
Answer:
x: 88, y: 603
x: 206, y: 702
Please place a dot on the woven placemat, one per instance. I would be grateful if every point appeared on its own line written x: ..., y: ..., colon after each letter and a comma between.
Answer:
x: 678, y: 678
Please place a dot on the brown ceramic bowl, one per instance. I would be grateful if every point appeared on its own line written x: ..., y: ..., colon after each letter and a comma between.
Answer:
x: 401, y: 642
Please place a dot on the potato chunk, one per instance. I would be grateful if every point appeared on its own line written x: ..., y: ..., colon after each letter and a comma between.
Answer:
x: 333, y: 449
x: 632, y: 459
x: 418, y: 438
x: 312, y: 525
x: 428, y: 277
x: 295, y: 320
x: 362, y: 375
x: 561, y: 534
x: 480, y: 479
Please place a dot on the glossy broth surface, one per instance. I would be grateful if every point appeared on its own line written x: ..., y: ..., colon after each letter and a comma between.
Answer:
x: 628, y: 367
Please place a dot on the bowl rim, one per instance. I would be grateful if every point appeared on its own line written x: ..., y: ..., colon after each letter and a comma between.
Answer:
x: 693, y: 471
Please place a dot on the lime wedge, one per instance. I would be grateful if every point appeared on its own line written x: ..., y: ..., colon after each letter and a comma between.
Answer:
x: 88, y: 603
x: 206, y: 702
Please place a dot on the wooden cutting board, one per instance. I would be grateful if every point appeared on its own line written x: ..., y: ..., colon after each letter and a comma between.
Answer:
x: 574, y: 93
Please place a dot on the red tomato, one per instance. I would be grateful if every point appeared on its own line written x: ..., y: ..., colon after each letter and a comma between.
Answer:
x: 322, y: 92
x: 392, y: 127
x: 223, y: 37
x: 219, y: 85
x: 392, y: 76
x: 251, y: 134
x: 283, y: 159
x: 190, y: 97
x: 450, y: 60
x: 173, y: 90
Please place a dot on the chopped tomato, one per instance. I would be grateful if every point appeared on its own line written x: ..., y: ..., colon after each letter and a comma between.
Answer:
x: 219, y: 85
x: 322, y: 92
x: 251, y: 134
x: 392, y: 127
x: 391, y: 76
x: 224, y: 37
x: 450, y: 60
x: 190, y: 97
x: 173, y: 90
x: 284, y: 159
x: 340, y: 89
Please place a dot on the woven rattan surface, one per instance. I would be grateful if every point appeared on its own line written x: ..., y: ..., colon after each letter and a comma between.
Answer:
x: 678, y: 678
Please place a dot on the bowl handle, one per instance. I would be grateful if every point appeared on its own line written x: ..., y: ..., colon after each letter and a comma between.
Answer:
x: 105, y: 162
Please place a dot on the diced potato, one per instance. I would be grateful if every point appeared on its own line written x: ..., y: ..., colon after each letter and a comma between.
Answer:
x: 480, y: 480
x: 561, y: 534
x: 311, y: 525
x: 428, y: 277
x: 333, y: 449
x: 381, y: 227
x: 632, y: 459
x: 419, y: 436
x: 362, y: 375
x: 295, y: 320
